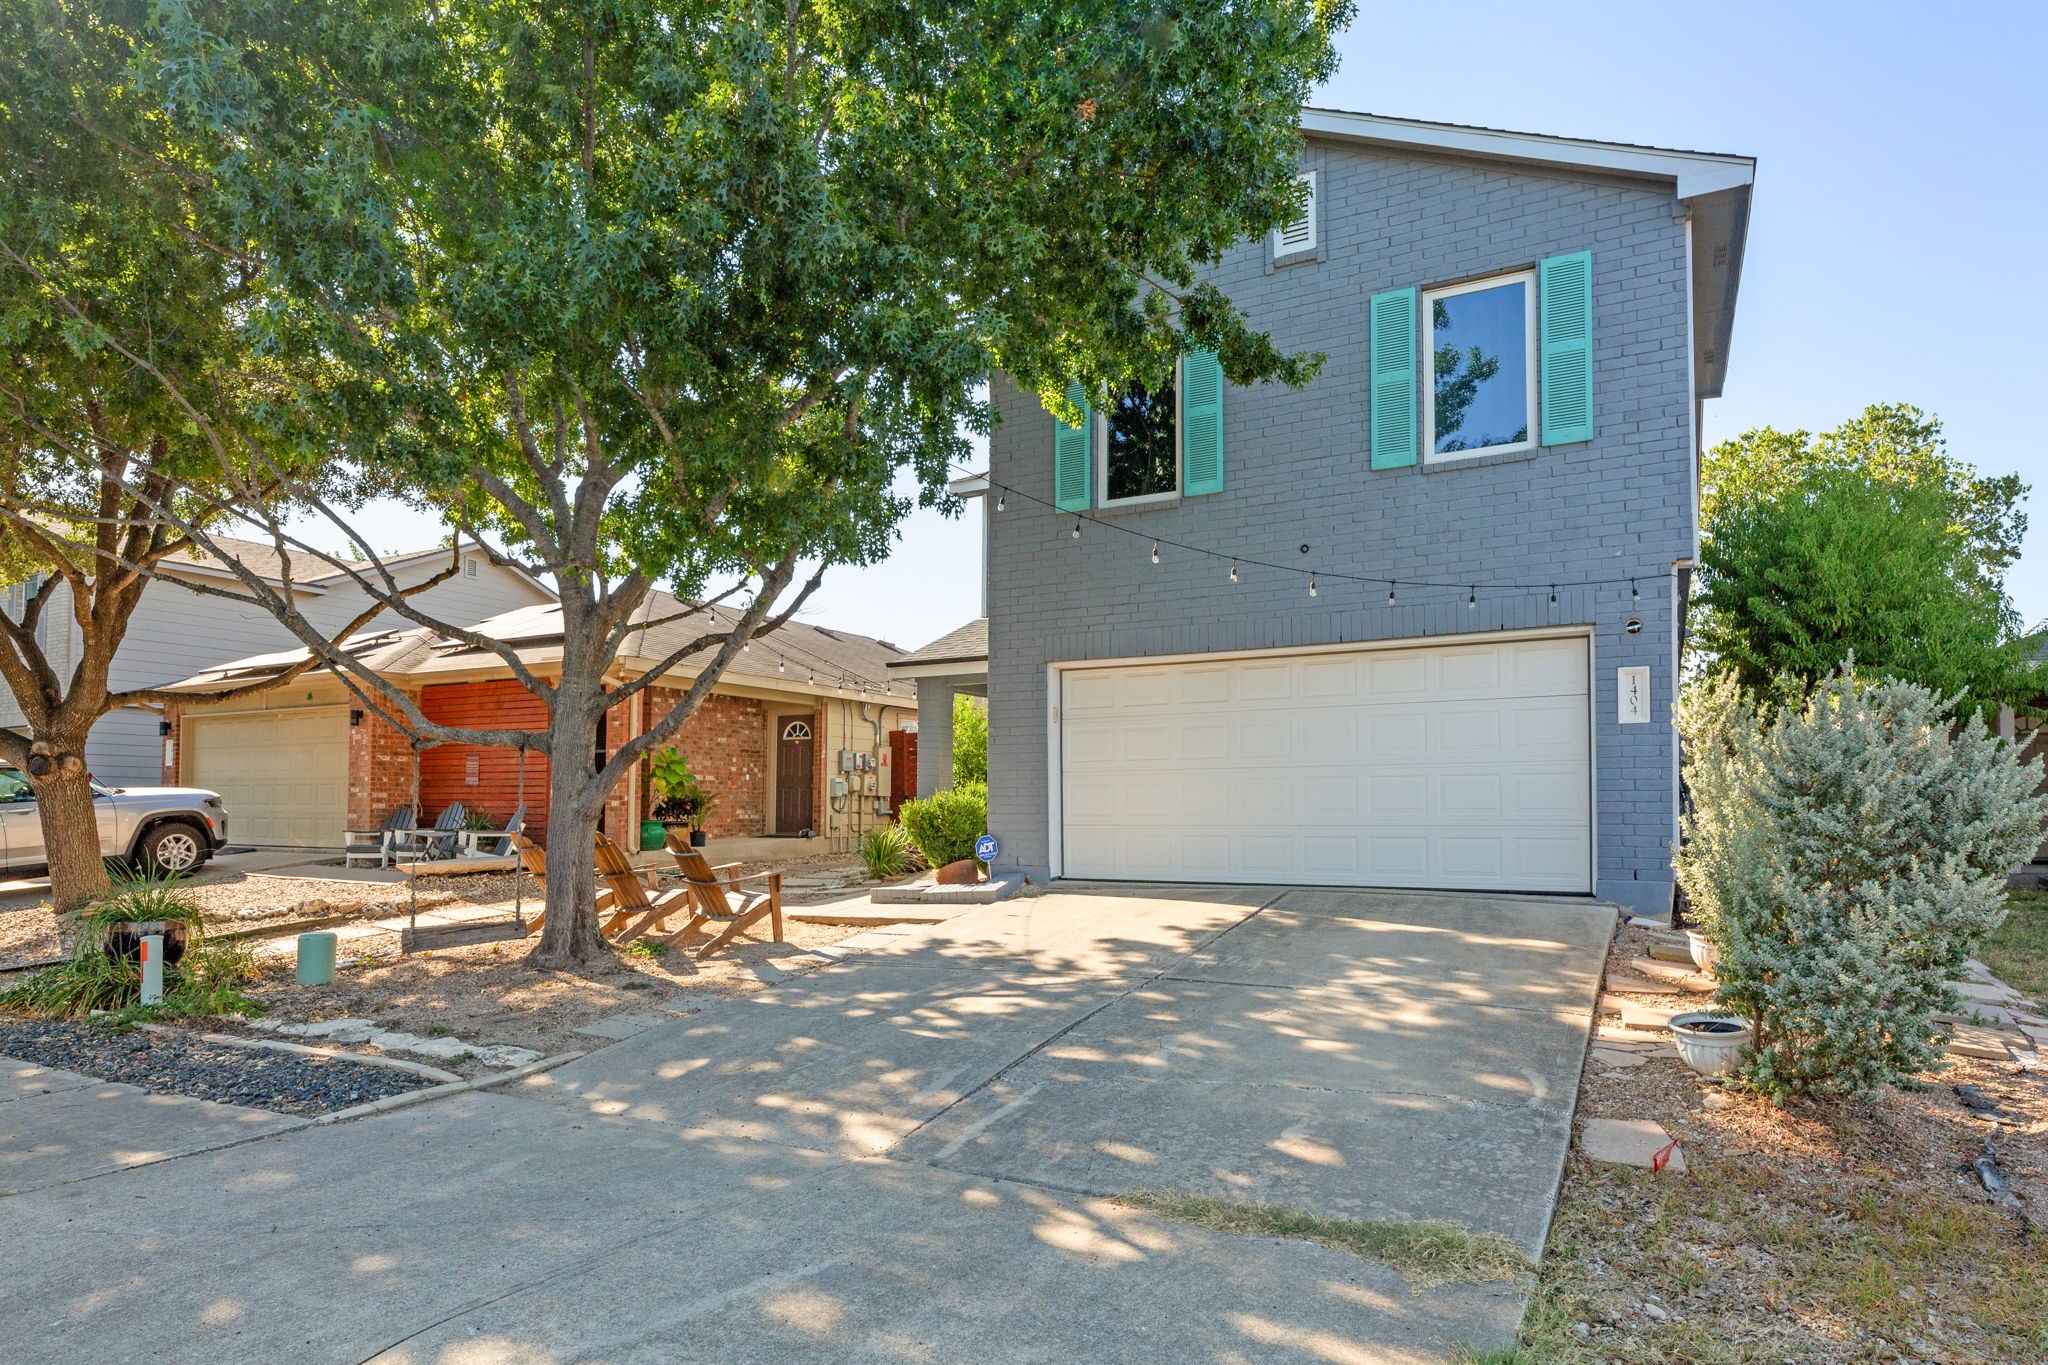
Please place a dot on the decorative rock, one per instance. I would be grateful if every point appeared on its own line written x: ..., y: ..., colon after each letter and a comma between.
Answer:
x: 965, y: 872
x: 1630, y: 1142
x: 1666, y: 952
x: 1615, y: 1057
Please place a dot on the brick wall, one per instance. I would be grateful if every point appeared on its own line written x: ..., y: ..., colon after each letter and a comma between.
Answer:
x: 1297, y: 472
x: 380, y: 772
x: 726, y: 742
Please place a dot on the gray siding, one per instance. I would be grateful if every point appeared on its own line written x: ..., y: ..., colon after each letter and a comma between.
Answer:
x: 1297, y: 472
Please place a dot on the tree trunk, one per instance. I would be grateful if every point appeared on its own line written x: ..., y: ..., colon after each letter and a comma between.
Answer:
x: 71, y: 829
x: 570, y: 938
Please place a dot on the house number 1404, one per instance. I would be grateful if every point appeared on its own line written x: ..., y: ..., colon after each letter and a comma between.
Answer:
x: 1632, y: 695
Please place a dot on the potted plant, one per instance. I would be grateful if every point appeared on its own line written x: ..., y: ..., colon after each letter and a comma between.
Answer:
x: 1711, y: 1044
x: 681, y: 800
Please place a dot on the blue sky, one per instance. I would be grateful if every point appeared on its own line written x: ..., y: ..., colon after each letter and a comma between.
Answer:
x: 1894, y: 250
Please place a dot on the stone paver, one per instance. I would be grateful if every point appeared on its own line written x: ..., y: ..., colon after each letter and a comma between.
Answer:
x: 344, y: 1031
x: 1630, y: 1142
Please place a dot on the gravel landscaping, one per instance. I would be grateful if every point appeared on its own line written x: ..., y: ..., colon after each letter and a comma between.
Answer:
x: 168, y: 1064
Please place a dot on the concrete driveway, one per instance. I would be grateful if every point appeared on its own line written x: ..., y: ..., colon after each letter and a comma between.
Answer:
x: 901, y: 1158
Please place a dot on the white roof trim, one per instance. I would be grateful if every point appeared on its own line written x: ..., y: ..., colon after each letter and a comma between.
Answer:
x: 196, y: 569
x: 1695, y: 173
x: 969, y: 486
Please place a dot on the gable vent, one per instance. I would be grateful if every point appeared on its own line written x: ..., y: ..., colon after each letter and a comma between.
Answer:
x: 469, y: 569
x: 1299, y: 235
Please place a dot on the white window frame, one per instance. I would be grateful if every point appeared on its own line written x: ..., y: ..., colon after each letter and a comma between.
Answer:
x: 1527, y: 278
x: 1101, y: 435
x: 1281, y: 251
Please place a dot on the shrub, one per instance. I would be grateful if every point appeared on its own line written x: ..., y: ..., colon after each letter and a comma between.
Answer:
x: 945, y: 824
x: 1847, y: 858
x: 206, y: 981
x: 970, y: 739
x: 885, y: 851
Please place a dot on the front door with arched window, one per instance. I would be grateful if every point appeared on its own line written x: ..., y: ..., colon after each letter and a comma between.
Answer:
x: 795, y: 752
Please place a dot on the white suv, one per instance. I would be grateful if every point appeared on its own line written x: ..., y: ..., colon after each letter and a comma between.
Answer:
x: 161, y: 829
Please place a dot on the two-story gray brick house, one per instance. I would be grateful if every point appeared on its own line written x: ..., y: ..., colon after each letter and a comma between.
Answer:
x: 1416, y: 624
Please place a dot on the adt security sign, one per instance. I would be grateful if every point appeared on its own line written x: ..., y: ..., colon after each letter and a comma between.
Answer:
x: 986, y: 848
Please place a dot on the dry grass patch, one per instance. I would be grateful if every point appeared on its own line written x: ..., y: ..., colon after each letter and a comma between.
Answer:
x: 1425, y: 1253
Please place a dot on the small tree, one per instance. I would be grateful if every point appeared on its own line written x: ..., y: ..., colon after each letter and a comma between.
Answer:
x: 1847, y: 857
x: 1838, y: 562
x: 1869, y: 539
x: 970, y: 739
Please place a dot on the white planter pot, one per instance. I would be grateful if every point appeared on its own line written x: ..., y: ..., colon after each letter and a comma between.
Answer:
x: 1704, y: 953
x: 1711, y: 1044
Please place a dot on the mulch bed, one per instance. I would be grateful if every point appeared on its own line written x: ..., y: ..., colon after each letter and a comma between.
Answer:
x: 167, y: 1064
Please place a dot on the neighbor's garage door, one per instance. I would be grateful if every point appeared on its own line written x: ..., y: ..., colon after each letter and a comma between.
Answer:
x: 1462, y: 766
x: 283, y: 774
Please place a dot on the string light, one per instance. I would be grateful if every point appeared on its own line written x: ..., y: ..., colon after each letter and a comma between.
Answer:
x: 1553, y: 594
x: 1311, y: 585
x: 1155, y: 552
x: 781, y: 666
x: 1159, y: 543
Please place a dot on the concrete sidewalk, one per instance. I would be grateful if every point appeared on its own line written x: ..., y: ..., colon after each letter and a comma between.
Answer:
x: 57, y: 1127
x: 901, y: 1157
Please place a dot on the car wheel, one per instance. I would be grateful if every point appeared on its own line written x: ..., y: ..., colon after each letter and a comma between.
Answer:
x: 174, y: 848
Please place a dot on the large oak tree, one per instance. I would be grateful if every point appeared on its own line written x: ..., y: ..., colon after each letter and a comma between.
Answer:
x: 671, y: 294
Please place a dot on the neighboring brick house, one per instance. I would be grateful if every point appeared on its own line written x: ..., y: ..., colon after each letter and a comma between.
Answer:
x: 177, y: 629
x: 1413, y: 625
x: 300, y: 764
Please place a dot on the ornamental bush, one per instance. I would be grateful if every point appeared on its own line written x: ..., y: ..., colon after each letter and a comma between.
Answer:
x: 1847, y: 858
x: 945, y: 824
x: 970, y: 739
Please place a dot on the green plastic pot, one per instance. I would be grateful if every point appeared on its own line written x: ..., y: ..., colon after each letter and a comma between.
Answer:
x: 653, y: 834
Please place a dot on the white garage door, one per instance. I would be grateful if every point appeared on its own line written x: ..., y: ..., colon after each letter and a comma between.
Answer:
x: 1460, y: 766
x: 283, y: 774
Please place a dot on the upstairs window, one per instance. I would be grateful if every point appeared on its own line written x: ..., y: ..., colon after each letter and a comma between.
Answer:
x: 1139, y: 446
x: 1481, y: 342
x: 1298, y: 237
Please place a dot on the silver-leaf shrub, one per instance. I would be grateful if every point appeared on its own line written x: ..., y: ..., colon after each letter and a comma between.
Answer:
x: 1847, y: 858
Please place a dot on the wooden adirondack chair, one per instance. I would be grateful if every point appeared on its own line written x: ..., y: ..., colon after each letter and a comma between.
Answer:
x: 626, y: 908
x: 718, y: 897
x: 534, y: 859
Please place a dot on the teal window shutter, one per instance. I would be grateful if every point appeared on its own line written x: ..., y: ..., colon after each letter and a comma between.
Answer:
x: 1393, y: 379
x: 1071, y: 457
x: 1564, y: 334
x: 1201, y: 415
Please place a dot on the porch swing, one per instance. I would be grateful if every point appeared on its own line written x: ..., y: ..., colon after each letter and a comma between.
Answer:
x: 416, y: 939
